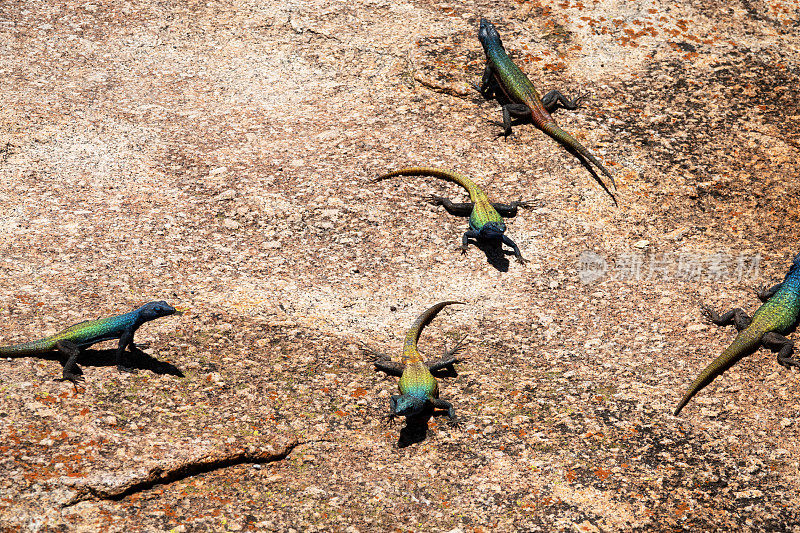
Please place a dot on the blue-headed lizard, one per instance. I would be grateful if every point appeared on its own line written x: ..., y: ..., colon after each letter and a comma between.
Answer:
x: 776, y: 316
x: 417, y: 385
x: 71, y: 341
x: 485, y: 220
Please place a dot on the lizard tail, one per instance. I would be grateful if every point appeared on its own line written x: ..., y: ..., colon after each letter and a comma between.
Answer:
x: 743, y: 345
x: 27, y: 348
x: 423, y: 320
x: 555, y: 131
x: 446, y: 175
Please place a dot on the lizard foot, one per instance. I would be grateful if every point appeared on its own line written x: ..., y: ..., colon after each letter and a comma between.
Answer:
x: 433, y: 199
x: 75, y: 379
x: 454, y: 422
x: 376, y: 355
x: 69, y: 376
x: 578, y: 102
x: 460, y: 345
x: 709, y: 313
x: 762, y: 292
x: 788, y: 361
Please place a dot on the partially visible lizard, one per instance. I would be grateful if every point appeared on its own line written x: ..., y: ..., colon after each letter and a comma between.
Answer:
x: 417, y: 385
x: 503, y: 80
x: 485, y: 220
x: 777, y: 315
x: 74, y: 339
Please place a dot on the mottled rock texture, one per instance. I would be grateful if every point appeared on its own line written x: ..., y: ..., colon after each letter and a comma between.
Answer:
x: 218, y: 155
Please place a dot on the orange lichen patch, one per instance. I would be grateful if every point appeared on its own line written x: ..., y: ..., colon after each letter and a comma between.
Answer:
x: 359, y: 392
x: 46, y: 399
x: 680, y: 509
x: 570, y: 475
x: 602, y: 473
x: 556, y: 66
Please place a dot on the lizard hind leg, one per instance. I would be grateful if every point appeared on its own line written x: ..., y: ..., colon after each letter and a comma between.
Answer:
x: 510, y: 210
x: 454, y: 208
x: 737, y: 317
x: 782, y: 345
x: 71, y: 351
x: 460, y: 345
x: 382, y: 361
x: 448, y: 359
x: 516, y: 110
x: 554, y: 99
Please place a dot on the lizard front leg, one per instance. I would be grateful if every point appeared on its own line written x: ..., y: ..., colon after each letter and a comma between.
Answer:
x: 517, y: 110
x: 455, y: 209
x: 488, y: 87
x: 72, y: 351
x: 782, y: 345
x: 510, y: 210
x: 465, y: 240
x: 737, y: 317
x: 444, y: 404
x: 554, y: 99
x: 764, y: 293
x: 125, y: 340
x: 517, y: 253
x: 392, y: 408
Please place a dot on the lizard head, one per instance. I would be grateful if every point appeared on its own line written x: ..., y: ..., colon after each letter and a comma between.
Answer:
x: 153, y: 310
x: 488, y: 34
x: 406, y: 405
x: 492, y: 230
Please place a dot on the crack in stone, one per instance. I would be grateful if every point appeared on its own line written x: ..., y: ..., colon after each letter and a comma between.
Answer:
x: 160, y: 476
x: 451, y: 89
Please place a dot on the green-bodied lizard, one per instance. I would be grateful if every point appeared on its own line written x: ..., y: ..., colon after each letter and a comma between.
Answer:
x: 485, y: 220
x: 417, y: 385
x: 502, y: 79
x: 777, y: 315
x: 75, y: 338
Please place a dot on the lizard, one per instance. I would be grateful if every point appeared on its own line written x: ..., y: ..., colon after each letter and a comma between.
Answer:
x: 485, y: 220
x: 777, y: 315
x: 71, y: 341
x: 503, y: 80
x: 417, y: 385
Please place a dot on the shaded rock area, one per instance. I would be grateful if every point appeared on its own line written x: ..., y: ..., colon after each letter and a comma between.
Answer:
x: 218, y: 155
